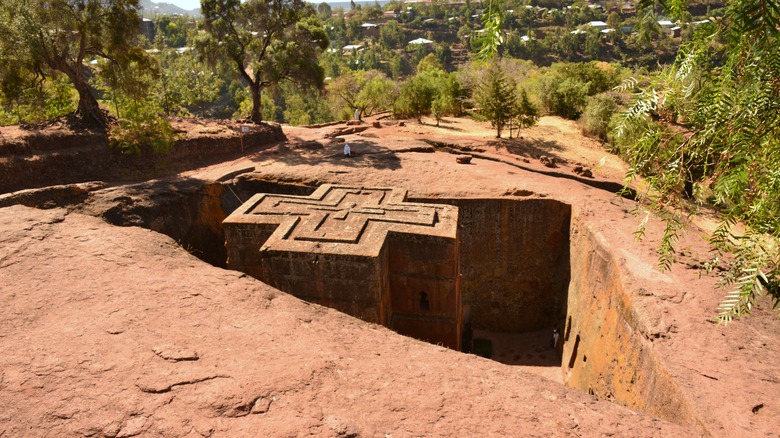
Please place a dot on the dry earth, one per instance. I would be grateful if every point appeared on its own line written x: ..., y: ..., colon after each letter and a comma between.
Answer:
x: 117, y: 331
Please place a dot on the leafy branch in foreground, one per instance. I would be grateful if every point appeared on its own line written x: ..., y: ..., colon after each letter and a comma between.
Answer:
x: 751, y: 262
x: 492, y: 36
x: 708, y: 129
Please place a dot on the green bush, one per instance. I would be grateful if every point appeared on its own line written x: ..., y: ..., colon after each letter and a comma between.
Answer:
x: 54, y: 98
x: 564, y: 88
x: 141, y: 130
x: 565, y: 97
x: 598, y: 112
x: 415, y: 98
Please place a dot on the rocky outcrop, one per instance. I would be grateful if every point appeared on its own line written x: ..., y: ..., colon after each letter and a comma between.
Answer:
x: 42, y: 158
x: 605, y: 352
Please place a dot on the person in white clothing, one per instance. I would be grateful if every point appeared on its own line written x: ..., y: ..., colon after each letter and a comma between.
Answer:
x: 347, y: 151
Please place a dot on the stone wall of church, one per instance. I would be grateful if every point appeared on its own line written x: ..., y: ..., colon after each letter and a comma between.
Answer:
x: 514, y: 261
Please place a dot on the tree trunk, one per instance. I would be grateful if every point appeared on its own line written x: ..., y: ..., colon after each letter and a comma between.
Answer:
x: 257, y: 104
x: 88, y: 111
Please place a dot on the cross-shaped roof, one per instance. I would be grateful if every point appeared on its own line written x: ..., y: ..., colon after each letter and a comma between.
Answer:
x: 344, y: 219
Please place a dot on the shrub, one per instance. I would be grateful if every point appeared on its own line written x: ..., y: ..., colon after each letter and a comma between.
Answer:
x: 598, y: 112
x: 51, y: 99
x: 565, y: 97
x: 142, y: 129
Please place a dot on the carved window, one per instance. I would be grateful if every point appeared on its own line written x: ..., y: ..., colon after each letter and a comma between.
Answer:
x: 425, y: 305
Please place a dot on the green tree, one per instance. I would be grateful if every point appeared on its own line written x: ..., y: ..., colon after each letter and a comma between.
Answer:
x: 372, y: 12
x: 724, y: 88
x: 565, y: 87
x: 391, y: 35
x: 324, y: 11
x: 496, y: 98
x: 527, y: 113
x: 564, y: 96
x: 444, y: 55
x: 266, y: 41
x: 429, y: 63
x: 366, y: 91
x: 304, y: 106
x: 184, y: 82
x: 464, y: 35
x: 39, y: 40
x: 613, y: 20
x: 416, y: 97
x: 432, y: 91
x: 172, y: 29
x: 354, y: 30
x: 593, y: 43
x: 449, y: 96
x: 563, y: 43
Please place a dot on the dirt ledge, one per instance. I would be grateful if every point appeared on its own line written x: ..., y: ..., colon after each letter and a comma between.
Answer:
x: 53, y: 155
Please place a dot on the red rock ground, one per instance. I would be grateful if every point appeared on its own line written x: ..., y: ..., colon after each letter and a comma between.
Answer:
x: 119, y: 332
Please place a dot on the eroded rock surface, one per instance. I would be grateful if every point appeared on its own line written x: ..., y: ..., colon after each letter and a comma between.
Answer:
x: 117, y: 331
x: 647, y: 338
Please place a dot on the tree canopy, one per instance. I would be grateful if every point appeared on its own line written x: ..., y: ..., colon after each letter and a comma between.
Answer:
x: 266, y: 41
x: 41, y: 39
x: 366, y: 91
